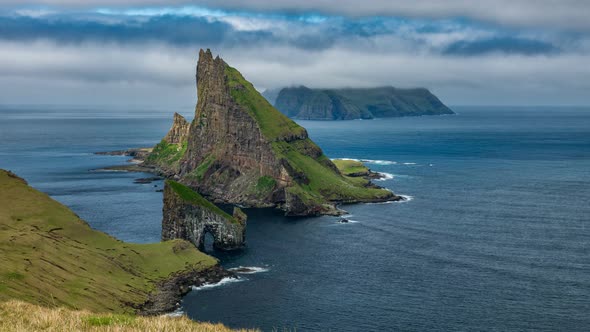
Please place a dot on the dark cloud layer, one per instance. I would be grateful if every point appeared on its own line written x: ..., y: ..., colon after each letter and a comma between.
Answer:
x: 566, y: 14
x: 169, y: 29
x: 509, y: 45
x: 191, y: 30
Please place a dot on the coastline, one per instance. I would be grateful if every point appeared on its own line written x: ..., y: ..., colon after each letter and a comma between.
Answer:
x: 169, y: 292
x: 135, y: 165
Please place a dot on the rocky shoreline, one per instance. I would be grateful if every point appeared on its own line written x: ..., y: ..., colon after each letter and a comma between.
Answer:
x: 137, y: 165
x: 169, y: 292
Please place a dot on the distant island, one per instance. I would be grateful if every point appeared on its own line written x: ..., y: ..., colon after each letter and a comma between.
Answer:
x: 304, y: 103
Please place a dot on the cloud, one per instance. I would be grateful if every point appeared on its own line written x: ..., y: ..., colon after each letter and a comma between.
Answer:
x: 500, y: 44
x: 103, y: 72
x: 564, y: 14
x: 221, y: 29
x: 147, y: 55
x: 172, y: 29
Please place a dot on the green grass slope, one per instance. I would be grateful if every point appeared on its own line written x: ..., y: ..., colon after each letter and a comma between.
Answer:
x: 350, y: 167
x: 191, y: 196
x: 167, y: 155
x: 320, y: 180
x: 273, y: 124
x: 51, y: 257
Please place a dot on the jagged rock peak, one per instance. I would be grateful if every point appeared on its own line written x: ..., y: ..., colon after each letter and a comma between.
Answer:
x: 178, y: 133
x: 210, y: 77
x: 241, y: 150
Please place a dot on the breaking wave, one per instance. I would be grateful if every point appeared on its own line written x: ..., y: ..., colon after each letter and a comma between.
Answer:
x: 379, y: 162
x: 224, y: 281
x: 385, y: 176
x: 371, y: 161
x: 407, y: 198
x: 176, y: 313
x: 248, y: 269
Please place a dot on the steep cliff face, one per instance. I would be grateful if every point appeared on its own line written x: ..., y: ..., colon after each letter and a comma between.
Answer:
x: 228, y: 154
x: 309, y: 104
x: 188, y: 216
x: 167, y: 154
x: 345, y: 104
x: 241, y: 150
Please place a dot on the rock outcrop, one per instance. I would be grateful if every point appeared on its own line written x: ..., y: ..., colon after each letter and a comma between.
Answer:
x: 179, y: 131
x: 189, y: 216
x: 167, y: 154
x: 347, y: 104
x: 241, y: 150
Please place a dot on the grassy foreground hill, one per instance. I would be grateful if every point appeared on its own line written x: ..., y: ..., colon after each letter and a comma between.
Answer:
x: 21, y: 316
x: 49, y: 256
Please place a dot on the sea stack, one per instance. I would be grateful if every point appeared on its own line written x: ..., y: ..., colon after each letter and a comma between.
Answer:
x: 188, y: 216
x: 240, y: 150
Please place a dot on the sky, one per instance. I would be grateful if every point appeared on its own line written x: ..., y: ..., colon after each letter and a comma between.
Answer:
x: 480, y: 52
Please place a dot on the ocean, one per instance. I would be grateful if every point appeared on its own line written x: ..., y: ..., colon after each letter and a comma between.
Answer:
x: 494, y: 235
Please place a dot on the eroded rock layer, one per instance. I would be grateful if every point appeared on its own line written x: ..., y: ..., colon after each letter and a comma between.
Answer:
x: 188, y: 216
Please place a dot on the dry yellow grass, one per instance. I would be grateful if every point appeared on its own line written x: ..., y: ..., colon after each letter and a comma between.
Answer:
x: 21, y: 316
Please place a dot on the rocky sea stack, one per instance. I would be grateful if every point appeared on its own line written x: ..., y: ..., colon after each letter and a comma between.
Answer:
x: 188, y: 216
x: 240, y: 150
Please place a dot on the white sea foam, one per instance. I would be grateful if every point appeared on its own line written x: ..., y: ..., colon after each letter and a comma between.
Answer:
x: 350, y: 221
x: 371, y: 161
x: 379, y: 162
x: 248, y: 269
x: 224, y: 281
x: 176, y: 313
x: 410, y: 164
x: 385, y: 176
x: 381, y: 203
x: 407, y: 198
x: 105, y: 170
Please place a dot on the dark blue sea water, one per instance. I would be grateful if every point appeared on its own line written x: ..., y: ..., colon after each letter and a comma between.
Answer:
x: 495, y: 237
